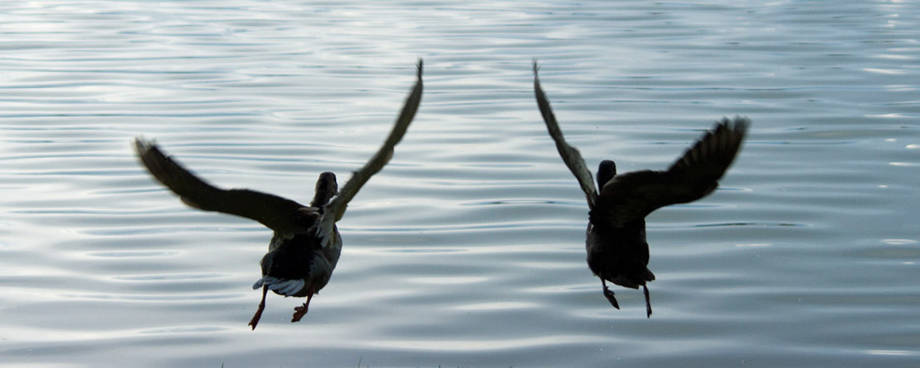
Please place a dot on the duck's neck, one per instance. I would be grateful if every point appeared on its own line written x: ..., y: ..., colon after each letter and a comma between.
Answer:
x: 320, y: 199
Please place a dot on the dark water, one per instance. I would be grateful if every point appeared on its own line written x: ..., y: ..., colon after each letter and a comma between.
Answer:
x: 467, y: 250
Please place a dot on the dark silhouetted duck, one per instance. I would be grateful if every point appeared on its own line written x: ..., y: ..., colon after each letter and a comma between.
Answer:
x: 616, y: 245
x: 306, y: 244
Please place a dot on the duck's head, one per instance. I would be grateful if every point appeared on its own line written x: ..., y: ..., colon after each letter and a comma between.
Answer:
x: 326, y: 188
x: 605, y: 171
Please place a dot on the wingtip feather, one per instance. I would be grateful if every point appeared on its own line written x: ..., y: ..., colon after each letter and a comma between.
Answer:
x: 738, y: 125
x: 142, y: 145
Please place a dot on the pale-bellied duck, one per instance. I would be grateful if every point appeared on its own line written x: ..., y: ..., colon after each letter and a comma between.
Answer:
x: 306, y: 244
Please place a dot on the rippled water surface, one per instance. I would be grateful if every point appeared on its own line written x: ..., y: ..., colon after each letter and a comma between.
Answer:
x: 468, y: 249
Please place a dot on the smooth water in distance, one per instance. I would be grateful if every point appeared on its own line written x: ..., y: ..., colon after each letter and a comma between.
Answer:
x: 467, y: 250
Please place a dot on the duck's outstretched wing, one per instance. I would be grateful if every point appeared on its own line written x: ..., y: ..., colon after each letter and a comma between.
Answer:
x: 694, y: 175
x: 570, y: 155
x: 338, y: 204
x: 279, y: 214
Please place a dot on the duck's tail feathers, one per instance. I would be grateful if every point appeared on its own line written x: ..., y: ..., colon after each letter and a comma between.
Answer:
x: 284, y: 287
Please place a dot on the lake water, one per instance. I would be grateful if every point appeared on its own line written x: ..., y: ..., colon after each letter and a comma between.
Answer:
x: 468, y: 249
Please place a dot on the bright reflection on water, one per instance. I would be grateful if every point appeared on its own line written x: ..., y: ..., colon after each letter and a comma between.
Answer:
x: 467, y: 250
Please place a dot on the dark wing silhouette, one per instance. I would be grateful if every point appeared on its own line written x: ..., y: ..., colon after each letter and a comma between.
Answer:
x: 279, y: 214
x: 694, y: 175
x: 570, y: 155
x: 338, y: 204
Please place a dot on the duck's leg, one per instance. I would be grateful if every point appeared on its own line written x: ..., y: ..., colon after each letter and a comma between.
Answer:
x: 609, y: 295
x: 648, y: 303
x: 301, y: 311
x: 256, y: 317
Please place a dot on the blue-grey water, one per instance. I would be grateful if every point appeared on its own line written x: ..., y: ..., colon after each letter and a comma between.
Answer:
x: 467, y: 249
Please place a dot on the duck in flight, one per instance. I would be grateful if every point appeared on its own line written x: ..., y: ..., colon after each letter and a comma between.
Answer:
x: 616, y: 244
x: 306, y: 244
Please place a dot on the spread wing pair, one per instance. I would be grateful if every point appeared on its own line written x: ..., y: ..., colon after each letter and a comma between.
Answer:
x: 636, y: 194
x: 277, y: 213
